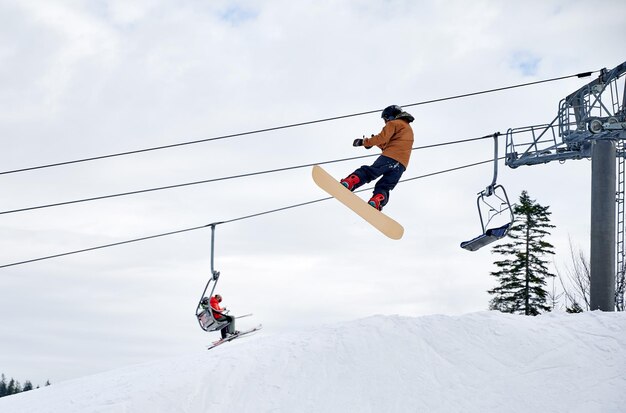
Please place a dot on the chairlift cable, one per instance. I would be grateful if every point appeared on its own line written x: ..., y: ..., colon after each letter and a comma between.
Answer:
x: 270, y: 129
x: 223, y: 222
x: 161, y: 188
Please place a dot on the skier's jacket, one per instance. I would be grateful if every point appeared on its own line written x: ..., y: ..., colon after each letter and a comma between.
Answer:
x: 216, y: 306
x: 395, y: 140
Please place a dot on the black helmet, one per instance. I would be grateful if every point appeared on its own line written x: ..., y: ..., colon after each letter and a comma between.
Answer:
x: 205, y: 301
x: 390, y: 112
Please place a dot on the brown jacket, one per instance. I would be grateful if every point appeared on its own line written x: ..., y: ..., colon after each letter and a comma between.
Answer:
x: 396, y: 141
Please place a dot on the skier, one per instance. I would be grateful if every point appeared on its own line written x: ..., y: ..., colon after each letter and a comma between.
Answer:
x: 396, y: 141
x: 219, y: 314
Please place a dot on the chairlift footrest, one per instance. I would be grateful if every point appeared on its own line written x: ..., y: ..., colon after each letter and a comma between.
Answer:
x: 491, y: 235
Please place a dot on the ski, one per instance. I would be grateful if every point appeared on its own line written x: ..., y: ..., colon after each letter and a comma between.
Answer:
x: 235, y: 336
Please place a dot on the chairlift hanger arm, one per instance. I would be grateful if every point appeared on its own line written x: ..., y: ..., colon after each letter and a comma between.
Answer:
x: 214, y: 274
x: 495, y: 164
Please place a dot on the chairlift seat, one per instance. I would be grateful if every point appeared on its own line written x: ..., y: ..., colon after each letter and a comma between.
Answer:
x: 208, y: 322
x: 491, y: 235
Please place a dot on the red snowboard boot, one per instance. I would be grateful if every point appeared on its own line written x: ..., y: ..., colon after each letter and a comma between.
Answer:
x: 376, y: 201
x: 350, y: 182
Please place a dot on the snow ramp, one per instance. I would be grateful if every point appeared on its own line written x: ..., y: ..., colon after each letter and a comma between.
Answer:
x: 479, y: 362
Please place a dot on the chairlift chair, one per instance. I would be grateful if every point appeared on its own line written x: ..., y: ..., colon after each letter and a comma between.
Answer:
x: 204, y: 313
x: 487, y: 200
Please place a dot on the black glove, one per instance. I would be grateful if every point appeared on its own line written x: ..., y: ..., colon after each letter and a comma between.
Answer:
x: 357, y: 142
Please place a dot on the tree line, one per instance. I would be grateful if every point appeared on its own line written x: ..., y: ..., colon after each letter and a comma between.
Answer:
x: 13, y: 386
x: 522, y: 271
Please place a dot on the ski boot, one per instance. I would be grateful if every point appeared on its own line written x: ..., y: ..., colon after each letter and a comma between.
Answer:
x: 350, y: 182
x: 377, y: 201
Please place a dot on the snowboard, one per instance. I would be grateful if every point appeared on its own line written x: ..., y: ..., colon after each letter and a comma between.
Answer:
x: 233, y: 337
x: 376, y: 218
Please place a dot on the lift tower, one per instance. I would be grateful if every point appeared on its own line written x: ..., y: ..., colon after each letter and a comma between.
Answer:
x: 591, y: 123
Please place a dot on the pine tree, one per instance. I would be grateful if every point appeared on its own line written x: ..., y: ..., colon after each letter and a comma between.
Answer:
x: 3, y: 386
x: 574, y: 308
x: 27, y: 386
x: 522, y: 274
x: 13, y: 387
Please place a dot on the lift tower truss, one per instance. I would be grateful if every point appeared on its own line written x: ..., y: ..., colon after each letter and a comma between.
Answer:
x: 590, y: 123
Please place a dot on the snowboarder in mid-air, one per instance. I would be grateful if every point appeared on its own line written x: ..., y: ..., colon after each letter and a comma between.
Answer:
x: 220, y: 314
x: 396, y: 142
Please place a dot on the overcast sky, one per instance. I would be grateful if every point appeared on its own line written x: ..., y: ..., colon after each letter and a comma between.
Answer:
x: 83, y: 79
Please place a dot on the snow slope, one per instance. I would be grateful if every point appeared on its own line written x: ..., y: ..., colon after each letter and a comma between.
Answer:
x: 480, y: 362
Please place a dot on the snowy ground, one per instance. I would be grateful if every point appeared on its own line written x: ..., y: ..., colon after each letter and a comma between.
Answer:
x: 481, y: 362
